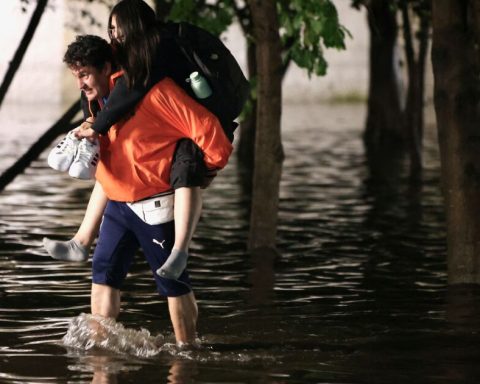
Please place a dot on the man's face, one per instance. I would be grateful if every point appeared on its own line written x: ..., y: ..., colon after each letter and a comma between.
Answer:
x: 92, y: 81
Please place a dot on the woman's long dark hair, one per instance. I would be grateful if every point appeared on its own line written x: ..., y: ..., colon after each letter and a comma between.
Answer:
x: 137, y: 23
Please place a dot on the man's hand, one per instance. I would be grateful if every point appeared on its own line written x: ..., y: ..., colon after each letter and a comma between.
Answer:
x: 85, y: 131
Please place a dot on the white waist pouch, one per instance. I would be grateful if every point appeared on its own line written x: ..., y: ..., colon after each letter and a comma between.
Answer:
x: 154, y: 210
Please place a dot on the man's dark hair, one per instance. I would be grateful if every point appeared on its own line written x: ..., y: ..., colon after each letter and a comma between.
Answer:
x: 88, y: 50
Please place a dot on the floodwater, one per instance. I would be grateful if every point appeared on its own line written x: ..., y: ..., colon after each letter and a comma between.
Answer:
x: 357, y: 295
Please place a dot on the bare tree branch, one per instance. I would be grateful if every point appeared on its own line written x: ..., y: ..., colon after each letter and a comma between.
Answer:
x: 63, y: 125
x: 22, y: 48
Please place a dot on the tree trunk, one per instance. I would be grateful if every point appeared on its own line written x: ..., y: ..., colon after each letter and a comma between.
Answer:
x: 457, y: 96
x: 268, y: 146
x: 413, y: 114
x: 63, y: 125
x: 246, y: 144
x: 418, y: 105
x: 384, y: 127
x: 22, y: 48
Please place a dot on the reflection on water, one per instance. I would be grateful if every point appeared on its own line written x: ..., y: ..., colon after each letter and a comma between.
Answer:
x: 358, y: 293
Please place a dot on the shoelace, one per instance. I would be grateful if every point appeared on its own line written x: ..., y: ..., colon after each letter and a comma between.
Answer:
x: 84, y: 154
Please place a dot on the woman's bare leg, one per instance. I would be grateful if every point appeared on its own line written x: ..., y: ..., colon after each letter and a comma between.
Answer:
x: 88, y: 230
x: 78, y: 248
x: 187, y: 210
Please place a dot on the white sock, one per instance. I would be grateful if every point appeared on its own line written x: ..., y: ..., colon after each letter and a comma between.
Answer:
x: 174, y: 266
x: 66, y: 250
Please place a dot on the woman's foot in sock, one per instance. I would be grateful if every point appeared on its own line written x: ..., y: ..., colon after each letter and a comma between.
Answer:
x: 174, y: 266
x: 66, y: 250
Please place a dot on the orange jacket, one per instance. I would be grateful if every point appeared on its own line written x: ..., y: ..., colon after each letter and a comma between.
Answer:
x: 136, y: 154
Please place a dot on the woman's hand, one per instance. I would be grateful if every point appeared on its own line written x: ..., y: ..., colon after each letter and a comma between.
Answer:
x: 85, y: 131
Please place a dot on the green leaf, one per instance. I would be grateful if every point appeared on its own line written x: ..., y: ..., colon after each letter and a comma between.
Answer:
x: 314, y: 26
x: 307, y: 27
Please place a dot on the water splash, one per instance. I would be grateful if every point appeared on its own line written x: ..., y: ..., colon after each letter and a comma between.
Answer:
x: 88, y: 331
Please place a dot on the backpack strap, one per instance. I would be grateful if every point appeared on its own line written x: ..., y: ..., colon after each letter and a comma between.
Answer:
x: 182, y: 34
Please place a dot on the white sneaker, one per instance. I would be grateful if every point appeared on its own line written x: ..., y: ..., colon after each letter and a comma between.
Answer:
x: 61, y: 157
x: 85, y: 163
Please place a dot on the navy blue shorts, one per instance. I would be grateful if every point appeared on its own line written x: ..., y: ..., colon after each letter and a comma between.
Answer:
x: 121, y: 234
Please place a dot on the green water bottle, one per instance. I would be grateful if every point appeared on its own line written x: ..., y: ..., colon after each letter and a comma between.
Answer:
x: 199, y: 85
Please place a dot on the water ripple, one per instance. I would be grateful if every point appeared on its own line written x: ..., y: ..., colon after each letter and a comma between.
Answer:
x: 361, y: 272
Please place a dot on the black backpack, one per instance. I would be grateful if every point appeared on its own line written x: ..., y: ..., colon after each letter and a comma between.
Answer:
x: 195, y: 49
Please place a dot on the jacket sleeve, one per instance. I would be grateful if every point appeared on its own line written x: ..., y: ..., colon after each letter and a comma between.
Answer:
x: 198, y: 124
x: 120, y: 102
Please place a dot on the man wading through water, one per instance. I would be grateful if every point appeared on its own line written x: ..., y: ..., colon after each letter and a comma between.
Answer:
x: 134, y: 174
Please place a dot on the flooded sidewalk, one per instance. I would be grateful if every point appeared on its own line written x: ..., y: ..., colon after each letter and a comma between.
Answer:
x: 358, y: 294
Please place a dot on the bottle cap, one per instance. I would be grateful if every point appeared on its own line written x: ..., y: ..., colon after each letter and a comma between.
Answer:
x: 194, y: 75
